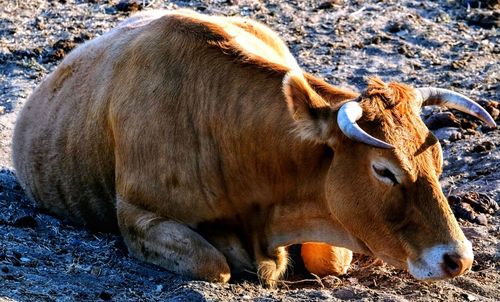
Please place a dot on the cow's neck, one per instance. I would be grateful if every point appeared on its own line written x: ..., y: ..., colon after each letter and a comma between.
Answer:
x: 308, y: 221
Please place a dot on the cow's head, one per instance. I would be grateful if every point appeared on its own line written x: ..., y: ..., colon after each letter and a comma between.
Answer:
x: 382, y: 185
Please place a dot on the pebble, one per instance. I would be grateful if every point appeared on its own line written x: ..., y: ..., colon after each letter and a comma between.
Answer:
x: 329, y: 4
x: 467, y: 124
x: 473, y: 206
x: 96, y: 271
x: 441, y: 120
x: 448, y: 133
x: 464, y: 210
x: 17, y: 254
x: 345, y: 294
x: 104, y: 295
x: 486, y: 20
x: 25, y: 259
x: 495, y: 113
x: 128, y: 6
x: 481, y: 202
x: 483, y: 147
x: 65, y: 45
x: 481, y: 219
x: 470, y: 297
x: 25, y: 222
x: 492, y: 107
x: 480, y: 3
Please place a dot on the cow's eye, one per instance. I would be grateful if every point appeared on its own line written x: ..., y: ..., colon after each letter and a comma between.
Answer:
x: 386, y: 173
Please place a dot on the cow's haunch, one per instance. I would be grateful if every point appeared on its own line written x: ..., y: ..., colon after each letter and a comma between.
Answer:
x: 206, y: 146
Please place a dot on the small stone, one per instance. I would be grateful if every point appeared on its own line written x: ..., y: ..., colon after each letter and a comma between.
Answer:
x: 481, y: 219
x: 464, y: 210
x: 329, y: 4
x: 25, y: 222
x: 456, y: 136
x: 57, y: 54
x: 104, y: 295
x: 40, y: 24
x: 65, y: 45
x: 495, y: 113
x: 24, y: 259
x: 10, y: 277
x: 82, y: 38
x: 448, y: 133
x: 470, y: 297
x: 454, y: 199
x: 481, y: 3
x: 483, y: 147
x: 441, y: 120
x: 480, y: 202
x: 406, y: 50
x: 346, y: 294
x: 487, y: 20
x: 15, y: 262
x: 467, y: 124
x: 96, y: 271
x: 159, y: 288
x: 395, y: 27
x: 17, y: 254
x: 128, y: 6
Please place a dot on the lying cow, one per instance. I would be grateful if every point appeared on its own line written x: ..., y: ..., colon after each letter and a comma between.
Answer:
x: 203, y: 142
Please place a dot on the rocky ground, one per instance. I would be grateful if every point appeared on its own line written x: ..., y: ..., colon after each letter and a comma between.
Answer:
x: 451, y: 44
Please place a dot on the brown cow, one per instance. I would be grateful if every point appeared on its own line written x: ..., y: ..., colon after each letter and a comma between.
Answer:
x: 206, y: 145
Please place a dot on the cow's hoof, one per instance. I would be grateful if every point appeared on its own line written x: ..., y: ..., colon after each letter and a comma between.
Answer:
x: 271, y: 270
x: 221, y: 278
x: 323, y: 259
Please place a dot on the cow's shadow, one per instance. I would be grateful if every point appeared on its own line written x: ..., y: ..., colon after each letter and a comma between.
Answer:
x: 21, y: 218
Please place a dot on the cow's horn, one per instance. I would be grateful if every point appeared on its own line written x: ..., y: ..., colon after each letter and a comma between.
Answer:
x: 451, y: 99
x: 347, y: 116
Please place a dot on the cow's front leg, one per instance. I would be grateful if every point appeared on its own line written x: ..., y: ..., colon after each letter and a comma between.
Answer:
x: 170, y: 244
x: 323, y: 259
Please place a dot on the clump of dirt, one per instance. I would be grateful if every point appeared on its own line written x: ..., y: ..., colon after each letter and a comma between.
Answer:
x: 473, y: 206
x: 128, y: 6
x: 449, y: 44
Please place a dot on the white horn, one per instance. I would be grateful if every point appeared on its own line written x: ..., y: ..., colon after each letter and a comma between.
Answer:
x: 454, y: 100
x: 347, y: 116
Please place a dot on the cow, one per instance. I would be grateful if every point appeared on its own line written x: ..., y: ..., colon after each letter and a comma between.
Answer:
x: 202, y: 141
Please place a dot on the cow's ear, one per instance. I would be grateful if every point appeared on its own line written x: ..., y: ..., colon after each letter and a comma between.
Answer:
x: 313, y: 115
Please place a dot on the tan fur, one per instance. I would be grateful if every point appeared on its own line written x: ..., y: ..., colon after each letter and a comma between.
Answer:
x: 323, y: 259
x: 185, y: 133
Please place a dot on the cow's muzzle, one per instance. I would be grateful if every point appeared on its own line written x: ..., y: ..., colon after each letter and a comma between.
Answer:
x: 442, y: 261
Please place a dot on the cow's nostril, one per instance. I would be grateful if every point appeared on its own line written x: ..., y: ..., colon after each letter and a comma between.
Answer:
x: 450, y: 264
x: 454, y: 265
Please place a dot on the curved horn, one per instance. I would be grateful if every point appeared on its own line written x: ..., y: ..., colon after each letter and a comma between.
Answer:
x: 451, y: 99
x: 347, y: 116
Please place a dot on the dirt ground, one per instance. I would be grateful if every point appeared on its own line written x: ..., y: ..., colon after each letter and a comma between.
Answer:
x: 450, y: 44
